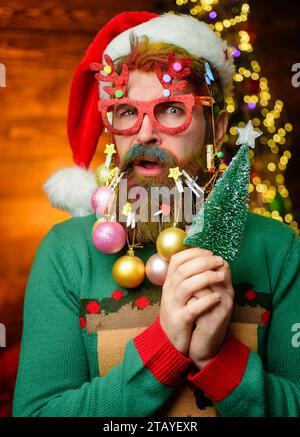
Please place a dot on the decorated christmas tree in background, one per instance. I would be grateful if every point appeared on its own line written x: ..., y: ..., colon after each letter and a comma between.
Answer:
x: 252, y: 100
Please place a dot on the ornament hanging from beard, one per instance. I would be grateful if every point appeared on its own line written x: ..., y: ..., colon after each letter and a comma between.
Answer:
x: 128, y: 270
x: 147, y: 231
x: 168, y: 239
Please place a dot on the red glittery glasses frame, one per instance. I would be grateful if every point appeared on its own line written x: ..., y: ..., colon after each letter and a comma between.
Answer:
x: 147, y: 107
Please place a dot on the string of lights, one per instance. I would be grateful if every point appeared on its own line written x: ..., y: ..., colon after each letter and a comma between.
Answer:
x: 252, y: 100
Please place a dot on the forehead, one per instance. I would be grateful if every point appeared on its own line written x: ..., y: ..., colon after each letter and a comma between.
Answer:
x: 143, y: 85
x: 146, y: 86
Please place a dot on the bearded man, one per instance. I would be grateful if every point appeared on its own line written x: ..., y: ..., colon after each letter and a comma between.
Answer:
x: 216, y: 338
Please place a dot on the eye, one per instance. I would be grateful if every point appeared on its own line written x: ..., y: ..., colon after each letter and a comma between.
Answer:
x: 125, y: 111
x: 171, y: 108
x: 131, y: 111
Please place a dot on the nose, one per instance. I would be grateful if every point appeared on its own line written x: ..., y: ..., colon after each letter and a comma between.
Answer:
x: 147, y: 133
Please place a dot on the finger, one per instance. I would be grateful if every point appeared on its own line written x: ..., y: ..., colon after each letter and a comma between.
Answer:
x: 185, y: 255
x: 198, y: 265
x: 202, y: 293
x: 223, y: 290
x: 192, y: 299
x: 224, y: 309
x: 196, y: 307
x: 196, y: 283
x: 228, y: 287
x: 226, y: 297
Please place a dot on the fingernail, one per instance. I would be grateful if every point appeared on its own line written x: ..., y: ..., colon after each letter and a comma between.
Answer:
x: 219, y: 259
x: 207, y: 252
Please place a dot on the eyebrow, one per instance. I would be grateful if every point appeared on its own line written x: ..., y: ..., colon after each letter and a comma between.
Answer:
x: 121, y: 105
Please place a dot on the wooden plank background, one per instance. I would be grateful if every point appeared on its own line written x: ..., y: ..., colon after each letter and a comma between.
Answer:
x: 41, y: 44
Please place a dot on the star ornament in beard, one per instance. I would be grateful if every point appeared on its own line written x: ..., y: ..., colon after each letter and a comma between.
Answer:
x: 144, y: 156
x: 149, y: 166
x: 129, y: 270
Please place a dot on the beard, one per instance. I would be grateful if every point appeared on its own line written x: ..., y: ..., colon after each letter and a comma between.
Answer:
x: 147, y: 231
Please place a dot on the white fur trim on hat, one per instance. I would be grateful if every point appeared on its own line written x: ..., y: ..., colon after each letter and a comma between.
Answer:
x: 71, y: 189
x: 186, y: 32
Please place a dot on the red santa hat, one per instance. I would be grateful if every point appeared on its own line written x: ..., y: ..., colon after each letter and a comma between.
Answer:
x: 71, y: 188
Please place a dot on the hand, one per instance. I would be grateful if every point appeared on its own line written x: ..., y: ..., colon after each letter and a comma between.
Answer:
x: 211, y: 327
x: 189, y: 272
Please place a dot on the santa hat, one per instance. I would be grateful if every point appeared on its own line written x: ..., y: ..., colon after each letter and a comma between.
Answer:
x: 71, y: 189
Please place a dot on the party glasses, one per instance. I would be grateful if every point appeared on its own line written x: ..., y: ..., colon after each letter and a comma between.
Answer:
x: 167, y: 114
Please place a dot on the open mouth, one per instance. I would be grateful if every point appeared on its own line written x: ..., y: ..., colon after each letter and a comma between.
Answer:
x: 148, y: 167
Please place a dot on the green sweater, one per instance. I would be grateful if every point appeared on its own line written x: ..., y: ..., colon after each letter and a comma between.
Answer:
x: 91, y: 348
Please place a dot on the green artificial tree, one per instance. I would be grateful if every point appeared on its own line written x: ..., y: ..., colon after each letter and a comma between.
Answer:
x: 219, y: 226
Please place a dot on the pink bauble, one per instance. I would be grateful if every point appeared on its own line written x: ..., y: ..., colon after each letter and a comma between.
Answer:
x: 100, y: 220
x: 156, y: 269
x: 109, y: 237
x: 100, y: 199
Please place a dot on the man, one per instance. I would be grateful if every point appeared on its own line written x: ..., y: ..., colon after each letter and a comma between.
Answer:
x: 218, y: 337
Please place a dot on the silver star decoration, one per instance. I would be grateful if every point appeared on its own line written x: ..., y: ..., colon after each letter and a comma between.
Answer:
x: 248, y: 134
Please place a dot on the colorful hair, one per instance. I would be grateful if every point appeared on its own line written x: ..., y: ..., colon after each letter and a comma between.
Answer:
x: 144, y: 54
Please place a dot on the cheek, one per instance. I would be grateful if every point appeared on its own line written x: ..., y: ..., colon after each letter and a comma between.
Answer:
x: 184, y: 145
x: 196, y: 133
x: 122, y: 144
x: 178, y: 146
x: 196, y: 141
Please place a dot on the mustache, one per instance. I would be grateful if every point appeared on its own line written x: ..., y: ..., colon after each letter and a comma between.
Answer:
x: 140, y: 151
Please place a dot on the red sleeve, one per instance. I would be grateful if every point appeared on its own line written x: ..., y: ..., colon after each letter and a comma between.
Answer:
x: 159, y: 355
x: 224, y: 372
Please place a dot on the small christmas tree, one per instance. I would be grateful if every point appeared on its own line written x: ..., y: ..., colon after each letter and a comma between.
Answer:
x: 219, y: 226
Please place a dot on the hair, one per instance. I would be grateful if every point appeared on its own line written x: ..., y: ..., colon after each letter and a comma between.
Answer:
x: 145, y: 54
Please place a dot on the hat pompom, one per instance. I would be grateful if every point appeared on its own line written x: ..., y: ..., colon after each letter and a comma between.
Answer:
x: 71, y: 189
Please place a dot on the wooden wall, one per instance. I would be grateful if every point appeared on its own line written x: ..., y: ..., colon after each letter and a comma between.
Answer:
x: 41, y: 44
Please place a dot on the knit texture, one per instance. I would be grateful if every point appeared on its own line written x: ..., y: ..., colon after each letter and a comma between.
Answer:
x: 91, y: 348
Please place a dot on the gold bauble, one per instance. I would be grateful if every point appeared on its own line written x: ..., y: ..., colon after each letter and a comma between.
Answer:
x: 129, y: 271
x: 102, y: 174
x: 170, y: 241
